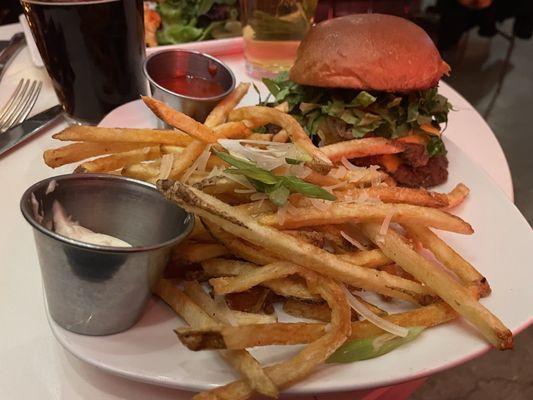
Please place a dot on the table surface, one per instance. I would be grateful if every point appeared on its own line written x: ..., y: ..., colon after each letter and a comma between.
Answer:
x: 33, y: 364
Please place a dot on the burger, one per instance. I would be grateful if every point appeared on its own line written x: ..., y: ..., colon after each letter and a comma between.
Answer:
x: 371, y: 75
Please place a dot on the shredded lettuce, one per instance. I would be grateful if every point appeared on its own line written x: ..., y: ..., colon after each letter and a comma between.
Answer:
x: 334, y: 114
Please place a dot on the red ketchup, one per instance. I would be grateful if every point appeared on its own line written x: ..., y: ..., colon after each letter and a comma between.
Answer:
x: 192, y: 86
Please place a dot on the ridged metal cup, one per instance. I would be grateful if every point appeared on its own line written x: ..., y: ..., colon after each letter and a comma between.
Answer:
x: 100, y: 290
x: 167, y: 64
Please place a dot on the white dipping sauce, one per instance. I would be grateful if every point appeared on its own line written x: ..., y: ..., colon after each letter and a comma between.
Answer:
x: 64, y: 225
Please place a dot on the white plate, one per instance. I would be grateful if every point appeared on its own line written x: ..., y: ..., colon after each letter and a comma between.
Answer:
x: 500, y: 248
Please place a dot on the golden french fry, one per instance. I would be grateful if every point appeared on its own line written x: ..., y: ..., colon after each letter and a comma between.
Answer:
x: 233, y: 130
x: 248, y: 336
x: 320, y: 311
x: 283, y: 107
x: 198, y: 252
x: 266, y: 137
x: 143, y: 171
x: 169, y: 149
x: 80, y: 133
x: 218, y: 338
x: 218, y: 185
x: 457, y: 195
x: 449, y: 290
x: 189, y: 155
x: 180, y: 120
x: 309, y: 310
x: 289, y: 248
x: 240, y: 247
x: 387, y: 194
x: 364, y: 177
x: 80, y: 151
x: 281, y: 137
x: 312, y: 237
x: 259, y: 116
x: 257, y: 207
x: 365, y: 147
x: 284, y: 287
x: 119, y: 160
x: 465, y: 271
x: 183, y: 305
x: 249, y: 368
x: 366, y: 258
x: 199, y: 233
x: 341, y: 213
x: 253, y: 278
x: 217, y: 162
x: 303, y: 363
x: 216, y: 117
x: 223, y: 314
x: 217, y: 267
x: 219, y: 114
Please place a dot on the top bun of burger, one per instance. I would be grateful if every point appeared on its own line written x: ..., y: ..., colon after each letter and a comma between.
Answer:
x: 368, y: 52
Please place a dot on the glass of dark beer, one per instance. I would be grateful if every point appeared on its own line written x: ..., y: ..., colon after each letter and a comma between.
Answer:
x: 93, y: 50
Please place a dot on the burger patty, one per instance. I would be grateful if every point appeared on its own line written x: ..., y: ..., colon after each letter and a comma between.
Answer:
x: 414, y: 155
x: 417, y: 169
x: 433, y: 173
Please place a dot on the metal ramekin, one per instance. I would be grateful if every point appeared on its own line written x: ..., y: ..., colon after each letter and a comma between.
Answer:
x: 100, y: 290
x: 169, y: 63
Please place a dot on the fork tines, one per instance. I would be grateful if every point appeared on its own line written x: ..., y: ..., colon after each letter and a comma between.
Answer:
x: 20, y: 103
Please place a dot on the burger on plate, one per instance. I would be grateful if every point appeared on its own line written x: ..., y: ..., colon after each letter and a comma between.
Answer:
x: 368, y: 75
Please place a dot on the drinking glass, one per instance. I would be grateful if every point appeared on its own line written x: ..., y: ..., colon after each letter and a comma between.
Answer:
x: 272, y: 31
x: 93, y: 51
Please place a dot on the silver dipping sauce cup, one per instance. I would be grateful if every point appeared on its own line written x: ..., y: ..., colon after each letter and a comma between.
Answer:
x: 100, y: 290
x: 167, y: 64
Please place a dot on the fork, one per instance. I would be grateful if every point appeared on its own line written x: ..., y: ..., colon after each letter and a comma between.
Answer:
x: 20, y: 103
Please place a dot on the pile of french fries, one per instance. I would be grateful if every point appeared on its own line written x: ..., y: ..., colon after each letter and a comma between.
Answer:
x: 306, y: 255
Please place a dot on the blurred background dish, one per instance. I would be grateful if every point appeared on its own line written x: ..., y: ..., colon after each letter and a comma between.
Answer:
x: 272, y: 32
x: 181, y: 21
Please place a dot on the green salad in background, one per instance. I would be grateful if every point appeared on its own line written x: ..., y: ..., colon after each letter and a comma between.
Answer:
x: 181, y: 21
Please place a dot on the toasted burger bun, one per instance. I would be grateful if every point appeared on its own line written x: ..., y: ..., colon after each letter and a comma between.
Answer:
x: 370, y: 52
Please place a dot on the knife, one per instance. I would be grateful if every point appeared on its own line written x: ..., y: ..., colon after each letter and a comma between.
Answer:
x: 28, y: 128
x: 7, y: 55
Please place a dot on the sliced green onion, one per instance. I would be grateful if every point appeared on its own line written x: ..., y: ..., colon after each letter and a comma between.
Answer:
x: 364, y: 349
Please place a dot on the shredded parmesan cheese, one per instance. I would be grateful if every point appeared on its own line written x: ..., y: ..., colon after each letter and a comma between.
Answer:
x: 166, y: 166
x: 216, y: 171
x: 348, y: 165
x: 320, y: 204
x: 353, y: 241
x: 282, y: 214
x: 244, y: 191
x: 290, y: 208
x: 338, y: 173
x: 239, y: 179
x: 204, y: 158
x: 336, y: 186
x: 258, y: 196
x: 385, y: 225
x: 365, y: 312
x: 300, y: 171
